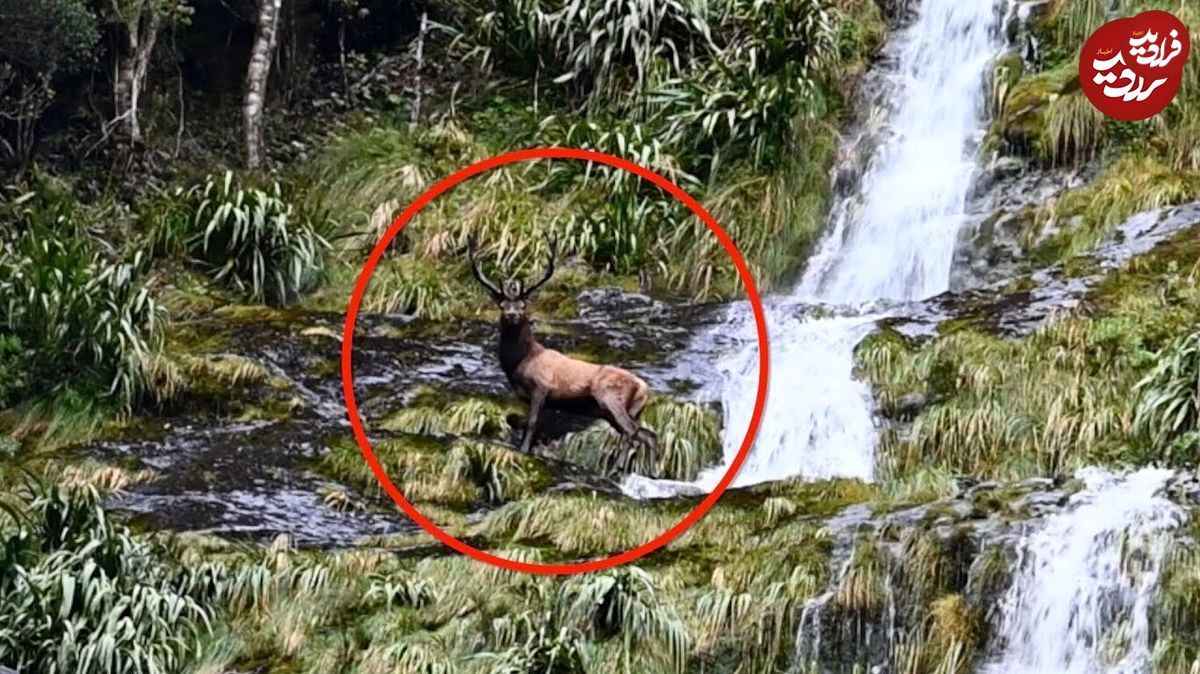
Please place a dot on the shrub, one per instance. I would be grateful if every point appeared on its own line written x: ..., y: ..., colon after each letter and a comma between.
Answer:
x: 92, y: 318
x: 1168, y: 407
x: 745, y: 96
x: 689, y: 440
x: 249, y: 238
x: 80, y: 595
x: 12, y: 370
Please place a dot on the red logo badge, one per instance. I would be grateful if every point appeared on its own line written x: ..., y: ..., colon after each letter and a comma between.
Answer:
x: 1131, y: 69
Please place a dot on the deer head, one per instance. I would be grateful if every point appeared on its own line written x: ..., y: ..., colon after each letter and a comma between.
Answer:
x: 513, y: 306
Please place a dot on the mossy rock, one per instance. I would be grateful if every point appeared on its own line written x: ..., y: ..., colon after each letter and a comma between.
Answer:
x: 1021, y: 126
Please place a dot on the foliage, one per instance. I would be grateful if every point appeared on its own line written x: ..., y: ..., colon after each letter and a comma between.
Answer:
x: 459, y: 476
x: 40, y: 42
x: 248, y: 238
x: 1130, y: 185
x: 1168, y: 405
x: 767, y: 71
x: 689, y: 440
x: 726, y: 78
x: 1056, y: 399
x: 78, y: 594
x: 90, y: 314
x: 1175, y: 614
x: 416, y: 287
x: 47, y: 37
x: 12, y: 370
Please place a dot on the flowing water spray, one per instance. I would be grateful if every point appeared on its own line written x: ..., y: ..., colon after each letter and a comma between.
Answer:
x: 893, y: 242
x: 1080, y: 602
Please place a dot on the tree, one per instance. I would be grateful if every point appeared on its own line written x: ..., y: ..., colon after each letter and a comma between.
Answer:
x: 256, y: 78
x: 40, y: 40
x: 139, y: 22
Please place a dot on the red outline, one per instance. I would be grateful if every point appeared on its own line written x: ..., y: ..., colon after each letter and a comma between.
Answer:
x: 352, y: 317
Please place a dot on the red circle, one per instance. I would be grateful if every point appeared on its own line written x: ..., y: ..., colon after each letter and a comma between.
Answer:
x: 352, y: 317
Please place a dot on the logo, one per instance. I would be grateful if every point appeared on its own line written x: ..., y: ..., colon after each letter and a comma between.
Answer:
x: 1132, y: 68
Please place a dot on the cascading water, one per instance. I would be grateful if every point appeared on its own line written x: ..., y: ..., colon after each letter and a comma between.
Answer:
x: 893, y: 242
x: 1080, y: 602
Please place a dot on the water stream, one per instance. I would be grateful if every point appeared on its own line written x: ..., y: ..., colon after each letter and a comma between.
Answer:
x: 1080, y: 601
x: 892, y: 242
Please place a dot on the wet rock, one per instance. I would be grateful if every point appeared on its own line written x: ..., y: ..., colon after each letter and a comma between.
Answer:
x: 610, y: 301
x: 910, y: 405
x: 1035, y: 10
x: 1015, y: 309
x: 255, y: 479
x: 1185, y: 488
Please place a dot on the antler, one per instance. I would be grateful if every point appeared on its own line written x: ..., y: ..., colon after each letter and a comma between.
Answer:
x: 497, y: 294
x: 549, y: 272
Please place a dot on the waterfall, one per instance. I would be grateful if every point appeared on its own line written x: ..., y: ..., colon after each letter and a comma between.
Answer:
x: 1080, y: 600
x: 892, y: 242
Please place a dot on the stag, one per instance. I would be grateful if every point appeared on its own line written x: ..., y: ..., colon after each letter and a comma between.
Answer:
x: 547, y: 379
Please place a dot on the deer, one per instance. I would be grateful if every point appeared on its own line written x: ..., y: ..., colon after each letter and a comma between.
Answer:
x: 547, y: 379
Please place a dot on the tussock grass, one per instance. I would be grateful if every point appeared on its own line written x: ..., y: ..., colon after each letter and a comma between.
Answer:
x: 946, y: 643
x: 1075, y: 129
x: 419, y: 288
x: 752, y: 602
x: 1059, y: 398
x: 463, y: 416
x: 456, y: 476
x: 1176, y: 611
x: 863, y: 590
x: 103, y: 478
x: 250, y: 239
x: 438, y: 614
x: 1130, y: 185
x: 689, y: 440
x: 1168, y: 405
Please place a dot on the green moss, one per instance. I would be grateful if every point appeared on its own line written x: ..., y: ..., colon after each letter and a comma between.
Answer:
x: 820, y: 499
x: 1022, y: 125
x: 1132, y: 184
x: 1018, y: 285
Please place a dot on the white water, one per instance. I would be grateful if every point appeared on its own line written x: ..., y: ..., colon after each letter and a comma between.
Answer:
x: 1085, y: 572
x: 892, y: 242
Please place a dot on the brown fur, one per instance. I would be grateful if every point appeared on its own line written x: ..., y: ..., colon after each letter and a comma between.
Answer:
x: 545, y: 378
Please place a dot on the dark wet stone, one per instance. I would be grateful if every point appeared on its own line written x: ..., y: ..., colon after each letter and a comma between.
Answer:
x: 910, y: 405
x: 612, y: 301
x: 1021, y: 311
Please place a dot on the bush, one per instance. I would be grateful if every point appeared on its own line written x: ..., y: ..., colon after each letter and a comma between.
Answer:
x: 248, y: 238
x: 746, y: 96
x: 1168, y: 407
x: 12, y: 370
x: 91, y: 317
x: 80, y: 595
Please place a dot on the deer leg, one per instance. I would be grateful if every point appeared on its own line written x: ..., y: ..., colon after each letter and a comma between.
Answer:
x: 649, y: 439
x: 642, y: 435
x: 624, y: 423
x: 537, y: 400
x: 618, y: 457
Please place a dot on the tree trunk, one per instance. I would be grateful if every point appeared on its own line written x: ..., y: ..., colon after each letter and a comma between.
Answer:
x: 141, y: 31
x: 256, y: 79
x: 420, y: 62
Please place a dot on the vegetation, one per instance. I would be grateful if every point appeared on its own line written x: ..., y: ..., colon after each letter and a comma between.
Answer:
x: 129, y: 229
x: 77, y: 318
x: 1045, y: 117
x: 81, y: 594
x: 246, y: 238
x: 1060, y: 398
